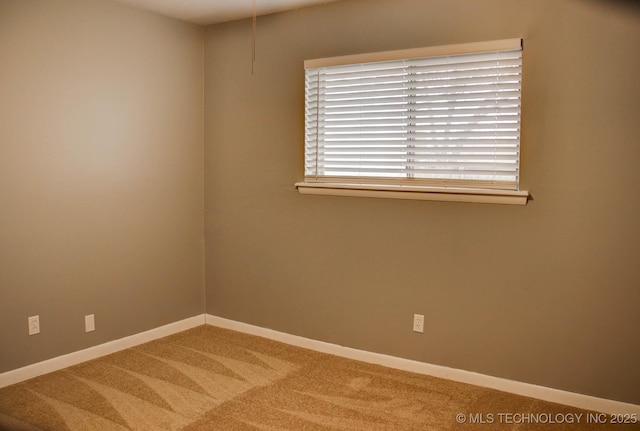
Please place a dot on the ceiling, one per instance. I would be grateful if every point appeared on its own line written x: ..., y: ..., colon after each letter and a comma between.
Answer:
x: 205, y: 12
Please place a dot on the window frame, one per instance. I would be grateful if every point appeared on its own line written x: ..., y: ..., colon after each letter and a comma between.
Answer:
x: 452, y: 190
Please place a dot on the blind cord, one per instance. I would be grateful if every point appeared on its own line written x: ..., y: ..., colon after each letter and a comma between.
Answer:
x: 253, y: 39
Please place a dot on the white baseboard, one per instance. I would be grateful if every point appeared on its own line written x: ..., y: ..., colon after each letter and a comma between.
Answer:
x: 586, y: 402
x: 60, y: 362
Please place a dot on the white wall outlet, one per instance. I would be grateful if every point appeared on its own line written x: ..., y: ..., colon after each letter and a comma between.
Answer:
x: 418, y: 323
x: 34, y: 325
x: 89, y: 323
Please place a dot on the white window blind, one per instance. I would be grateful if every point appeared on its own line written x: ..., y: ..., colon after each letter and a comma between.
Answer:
x: 448, y: 120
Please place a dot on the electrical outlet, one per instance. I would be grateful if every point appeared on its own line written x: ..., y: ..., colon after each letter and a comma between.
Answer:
x: 34, y: 325
x: 89, y: 323
x: 418, y: 323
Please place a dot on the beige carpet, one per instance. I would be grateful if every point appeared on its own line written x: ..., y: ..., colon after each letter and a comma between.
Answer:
x: 213, y: 379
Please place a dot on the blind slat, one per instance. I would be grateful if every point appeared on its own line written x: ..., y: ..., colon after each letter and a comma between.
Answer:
x: 475, y: 114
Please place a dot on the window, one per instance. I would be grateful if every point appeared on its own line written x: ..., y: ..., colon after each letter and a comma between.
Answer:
x: 433, y: 123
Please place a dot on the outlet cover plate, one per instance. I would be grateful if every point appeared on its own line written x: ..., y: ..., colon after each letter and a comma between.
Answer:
x: 89, y: 323
x: 418, y: 323
x: 34, y: 325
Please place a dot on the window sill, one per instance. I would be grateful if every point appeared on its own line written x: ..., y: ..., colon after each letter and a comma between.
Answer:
x: 445, y: 194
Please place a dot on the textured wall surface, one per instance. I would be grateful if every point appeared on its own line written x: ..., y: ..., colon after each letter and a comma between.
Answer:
x: 546, y: 294
x: 101, y: 175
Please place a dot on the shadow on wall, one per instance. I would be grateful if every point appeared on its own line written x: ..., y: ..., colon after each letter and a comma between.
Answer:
x: 629, y: 5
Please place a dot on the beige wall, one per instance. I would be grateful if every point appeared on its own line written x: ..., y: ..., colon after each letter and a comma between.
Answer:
x: 101, y: 175
x: 546, y: 294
